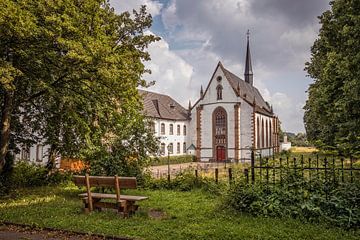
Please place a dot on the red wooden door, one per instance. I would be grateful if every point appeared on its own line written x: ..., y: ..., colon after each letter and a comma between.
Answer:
x: 220, y: 153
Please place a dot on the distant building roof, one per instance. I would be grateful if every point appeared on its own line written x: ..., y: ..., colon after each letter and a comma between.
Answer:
x: 162, y: 106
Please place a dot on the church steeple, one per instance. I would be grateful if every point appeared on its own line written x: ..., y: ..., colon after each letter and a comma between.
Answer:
x: 201, y: 92
x: 248, y: 66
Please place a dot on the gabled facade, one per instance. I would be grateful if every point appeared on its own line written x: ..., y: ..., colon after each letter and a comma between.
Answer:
x: 225, y: 120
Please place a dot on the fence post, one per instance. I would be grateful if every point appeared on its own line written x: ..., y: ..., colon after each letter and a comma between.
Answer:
x: 280, y: 171
x: 274, y: 171
x: 317, y: 166
x: 333, y: 169
x: 295, y: 166
x: 196, y: 174
x: 310, y: 171
x: 230, y: 175
x: 302, y: 166
x: 216, y: 175
x: 246, y: 173
x: 326, y: 167
x: 342, y: 169
x: 267, y: 170
x: 252, y: 166
x: 351, y: 169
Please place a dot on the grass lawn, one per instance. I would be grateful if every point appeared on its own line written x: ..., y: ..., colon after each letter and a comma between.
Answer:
x: 188, y: 215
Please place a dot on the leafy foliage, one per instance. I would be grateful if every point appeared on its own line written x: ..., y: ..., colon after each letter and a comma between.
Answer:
x: 315, y: 201
x: 332, y: 111
x: 24, y: 174
x: 69, y: 72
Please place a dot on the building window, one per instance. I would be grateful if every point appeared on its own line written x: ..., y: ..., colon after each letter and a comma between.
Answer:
x: 178, y: 148
x: 25, y: 153
x: 170, y: 148
x: 39, y: 152
x: 184, y: 147
x: 219, y: 89
x: 152, y: 127
x: 267, y: 133
x: 178, y: 129
x: 163, y: 129
x: 171, y: 131
x: 184, y: 130
x: 162, y: 148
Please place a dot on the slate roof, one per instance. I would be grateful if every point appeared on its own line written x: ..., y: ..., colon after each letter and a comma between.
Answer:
x: 247, y: 91
x: 162, y: 106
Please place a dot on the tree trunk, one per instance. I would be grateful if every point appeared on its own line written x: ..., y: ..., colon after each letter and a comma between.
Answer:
x: 5, y: 126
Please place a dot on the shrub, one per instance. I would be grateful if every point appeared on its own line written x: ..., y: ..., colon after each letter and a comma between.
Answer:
x: 297, y: 198
x: 24, y: 174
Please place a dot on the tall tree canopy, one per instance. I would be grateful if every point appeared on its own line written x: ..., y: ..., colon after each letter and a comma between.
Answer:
x: 69, y: 72
x: 332, y: 111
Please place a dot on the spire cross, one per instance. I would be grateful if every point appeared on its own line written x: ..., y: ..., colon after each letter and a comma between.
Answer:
x: 248, y: 34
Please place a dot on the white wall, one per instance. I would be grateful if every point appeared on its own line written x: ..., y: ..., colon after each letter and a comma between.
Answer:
x: 174, y: 139
x: 38, y: 154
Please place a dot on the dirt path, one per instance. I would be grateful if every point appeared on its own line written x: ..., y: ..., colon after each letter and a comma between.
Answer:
x: 13, y: 232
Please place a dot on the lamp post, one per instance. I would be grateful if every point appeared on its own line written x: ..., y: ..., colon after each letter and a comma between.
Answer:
x: 168, y: 161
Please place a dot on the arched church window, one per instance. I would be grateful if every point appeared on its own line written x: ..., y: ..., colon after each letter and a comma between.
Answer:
x: 220, y: 126
x: 184, y: 130
x: 178, y: 129
x: 219, y: 89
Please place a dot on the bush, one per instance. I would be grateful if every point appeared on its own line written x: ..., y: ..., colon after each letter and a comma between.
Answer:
x: 296, y: 198
x: 25, y: 174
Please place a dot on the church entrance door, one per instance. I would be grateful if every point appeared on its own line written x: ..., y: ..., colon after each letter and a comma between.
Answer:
x: 220, y: 153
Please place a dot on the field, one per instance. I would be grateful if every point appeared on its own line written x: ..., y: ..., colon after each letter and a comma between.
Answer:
x: 166, y: 215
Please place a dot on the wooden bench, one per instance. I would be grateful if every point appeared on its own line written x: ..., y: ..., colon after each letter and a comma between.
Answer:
x: 92, y: 200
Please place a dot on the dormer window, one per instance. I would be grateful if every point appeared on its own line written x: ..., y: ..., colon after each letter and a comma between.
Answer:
x: 219, y: 89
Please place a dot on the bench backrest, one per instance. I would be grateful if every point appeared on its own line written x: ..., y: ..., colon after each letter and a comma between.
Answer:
x: 102, y: 181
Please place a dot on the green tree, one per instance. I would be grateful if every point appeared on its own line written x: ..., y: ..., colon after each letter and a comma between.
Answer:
x: 332, y: 111
x: 69, y: 72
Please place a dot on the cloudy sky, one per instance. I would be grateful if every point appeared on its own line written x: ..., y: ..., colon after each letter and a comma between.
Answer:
x: 196, y: 34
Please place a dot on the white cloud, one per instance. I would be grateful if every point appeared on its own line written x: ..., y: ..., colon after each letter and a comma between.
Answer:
x: 153, y: 7
x: 171, y: 73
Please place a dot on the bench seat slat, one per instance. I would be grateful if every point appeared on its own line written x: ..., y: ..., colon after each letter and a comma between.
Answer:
x: 113, y: 196
x: 104, y: 181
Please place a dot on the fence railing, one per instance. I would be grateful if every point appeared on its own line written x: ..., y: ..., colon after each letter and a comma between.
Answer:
x: 274, y: 170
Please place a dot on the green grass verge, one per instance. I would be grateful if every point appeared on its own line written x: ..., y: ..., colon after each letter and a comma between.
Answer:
x: 172, y: 159
x: 188, y: 215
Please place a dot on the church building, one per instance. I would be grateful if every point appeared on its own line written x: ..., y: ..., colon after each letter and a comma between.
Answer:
x: 229, y: 119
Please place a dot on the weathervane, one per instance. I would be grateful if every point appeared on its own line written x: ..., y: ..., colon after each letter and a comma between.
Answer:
x: 248, y: 34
